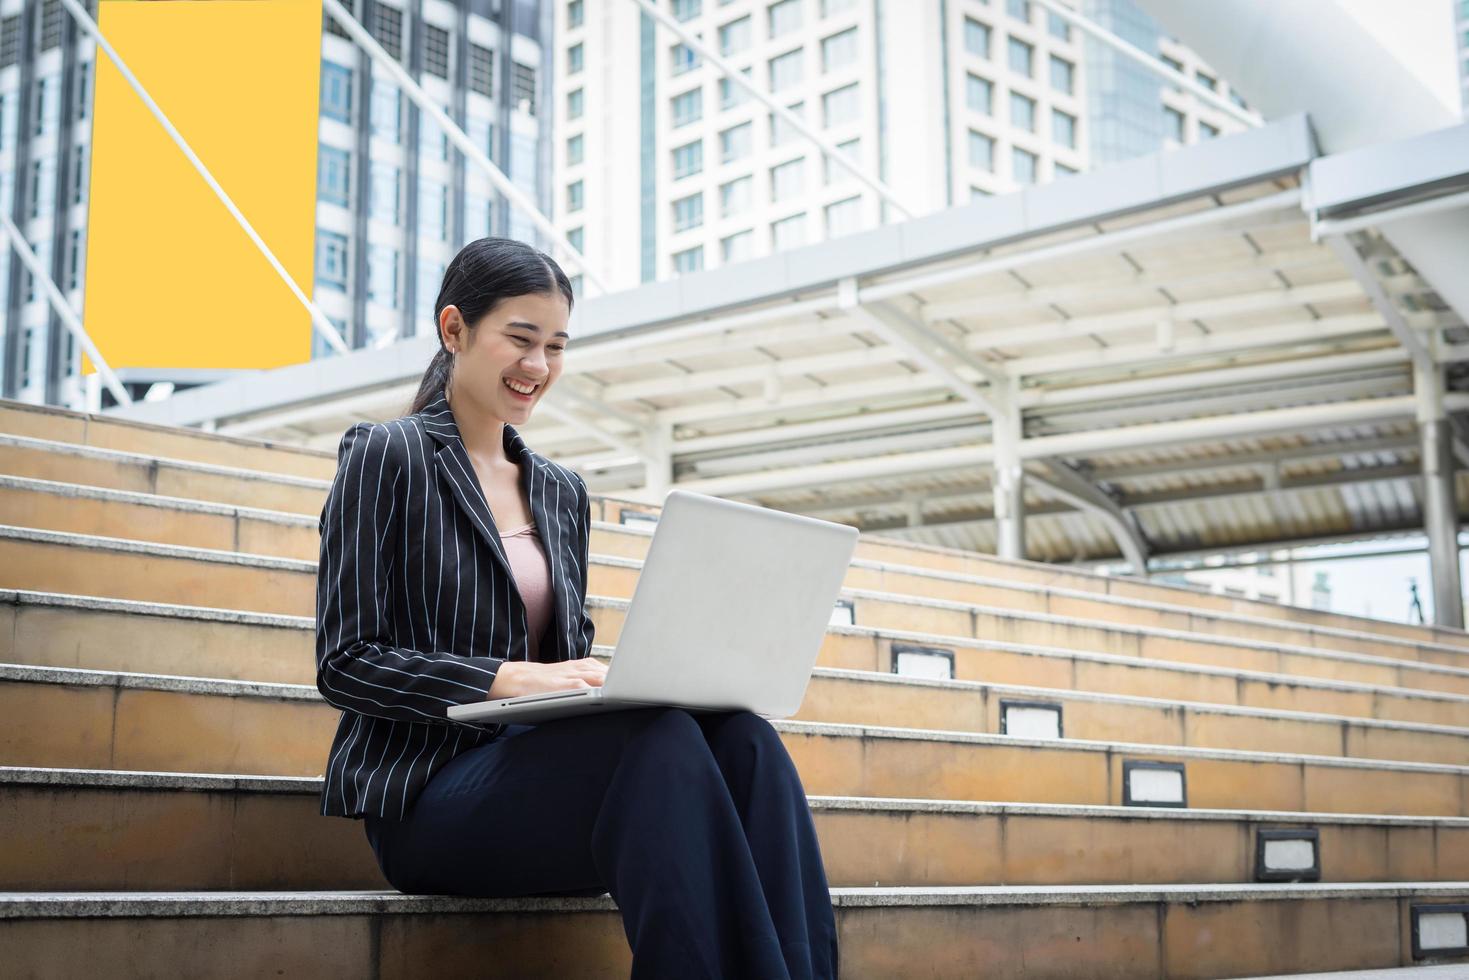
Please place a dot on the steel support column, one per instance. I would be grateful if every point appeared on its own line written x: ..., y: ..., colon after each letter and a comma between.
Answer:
x: 1009, y: 480
x: 1440, y: 503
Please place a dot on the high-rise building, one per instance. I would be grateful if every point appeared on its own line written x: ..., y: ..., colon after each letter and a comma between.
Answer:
x: 1461, y: 45
x: 395, y: 200
x: 943, y: 100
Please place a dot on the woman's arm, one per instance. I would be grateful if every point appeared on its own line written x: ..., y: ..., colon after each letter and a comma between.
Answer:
x: 357, y: 666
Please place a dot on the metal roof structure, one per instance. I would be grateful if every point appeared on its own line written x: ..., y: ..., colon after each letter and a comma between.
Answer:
x: 1206, y: 349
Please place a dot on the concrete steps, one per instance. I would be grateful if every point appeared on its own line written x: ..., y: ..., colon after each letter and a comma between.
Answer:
x: 51, y: 630
x: 80, y: 564
x: 197, y: 725
x: 160, y: 519
x: 162, y: 743
x: 109, y: 829
x: 1100, y: 931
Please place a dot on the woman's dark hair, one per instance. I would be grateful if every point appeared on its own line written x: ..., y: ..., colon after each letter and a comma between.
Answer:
x: 485, y: 272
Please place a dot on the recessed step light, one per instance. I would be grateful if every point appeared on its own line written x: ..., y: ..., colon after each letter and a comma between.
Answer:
x: 1288, y: 854
x: 1153, y: 783
x: 1030, y: 719
x: 932, y: 663
x: 1440, y: 930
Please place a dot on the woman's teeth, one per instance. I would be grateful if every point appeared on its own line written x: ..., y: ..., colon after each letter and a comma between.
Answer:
x: 518, y: 388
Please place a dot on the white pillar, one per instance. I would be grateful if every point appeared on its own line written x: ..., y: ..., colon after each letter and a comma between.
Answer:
x: 659, y: 467
x: 1440, y: 503
x: 1008, y: 481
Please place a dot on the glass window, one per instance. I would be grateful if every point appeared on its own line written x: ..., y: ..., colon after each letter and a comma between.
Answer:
x: 43, y: 186
x: 577, y: 237
x: 1207, y: 80
x: 1207, y: 132
x: 981, y: 151
x: 1173, y: 63
x: 688, y: 107
x: 9, y: 41
x: 786, y: 70
x: 481, y: 71
x: 831, y: 7
x: 735, y: 143
x: 387, y: 28
x: 387, y: 111
x: 686, y: 9
x: 688, y: 159
x: 1019, y: 9
x: 79, y: 175
x: 1022, y: 112
x: 336, y: 92
x: 730, y: 94
x: 1064, y: 171
x: 976, y: 37
x: 1020, y: 56
x: 574, y: 200
x: 1023, y: 165
x: 523, y: 87
x: 979, y: 94
x: 1063, y: 128
x: 575, y: 103
x: 433, y: 142
x: 1057, y: 27
x: 735, y: 36
x: 734, y: 197
x: 332, y: 175
x: 788, y: 232
x: 737, y: 247
x: 839, y: 50
x: 382, y: 276
x: 782, y: 132
x: 430, y: 280
x: 840, y: 106
x: 683, y: 59
x: 331, y: 260
x: 575, y: 149
x: 386, y: 181
x: 688, y: 212
x: 844, y: 217
x: 575, y: 58
x: 48, y: 104
x: 481, y: 133
x: 1063, y: 75
x: 576, y: 14
x: 478, y: 221
x: 689, y: 260
x: 435, y: 51
x: 784, y: 16
x: 1175, y: 122
x: 433, y: 210
x: 835, y: 171
x: 788, y: 179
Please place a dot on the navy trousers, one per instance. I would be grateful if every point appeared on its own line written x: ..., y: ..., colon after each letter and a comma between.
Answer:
x: 695, y: 822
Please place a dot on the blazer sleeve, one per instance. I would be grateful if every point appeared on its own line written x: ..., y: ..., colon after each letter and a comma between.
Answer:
x: 358, y: 668
x: 588, y: 630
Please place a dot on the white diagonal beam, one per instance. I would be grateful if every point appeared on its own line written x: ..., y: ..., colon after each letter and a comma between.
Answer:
x: 63, y: 310
x: 828, y: 149
x: 457, y: 136
x: 1346, y: 250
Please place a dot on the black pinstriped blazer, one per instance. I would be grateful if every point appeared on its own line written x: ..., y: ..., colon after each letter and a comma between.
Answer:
x: 416, y: 605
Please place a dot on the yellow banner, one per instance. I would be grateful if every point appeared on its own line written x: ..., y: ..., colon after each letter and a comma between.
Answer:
x: 172, y: 279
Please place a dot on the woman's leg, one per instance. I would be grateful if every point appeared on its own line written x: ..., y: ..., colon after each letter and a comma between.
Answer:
x: 771, y: 803
x: 629, y: 800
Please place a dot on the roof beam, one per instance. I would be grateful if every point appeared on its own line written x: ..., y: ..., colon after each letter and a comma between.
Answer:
x: 1346, y: 249
x: 1064, y: 481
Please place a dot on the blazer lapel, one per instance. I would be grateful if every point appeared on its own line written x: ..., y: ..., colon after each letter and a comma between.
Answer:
x: 457, y: 471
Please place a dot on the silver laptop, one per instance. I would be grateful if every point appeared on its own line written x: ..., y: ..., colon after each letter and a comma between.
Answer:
x: 728, y: 614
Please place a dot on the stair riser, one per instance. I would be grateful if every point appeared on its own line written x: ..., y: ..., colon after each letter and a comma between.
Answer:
x: 1177, y: 941
x: 186, y: 581
x: 94, y: 838
x: 103, y: 640
x: 182, y: 732
x: 161, y: 477
x: 165, y: 442
x: 158, y: 525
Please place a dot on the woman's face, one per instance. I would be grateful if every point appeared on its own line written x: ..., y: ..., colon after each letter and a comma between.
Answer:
x: 522, y: 340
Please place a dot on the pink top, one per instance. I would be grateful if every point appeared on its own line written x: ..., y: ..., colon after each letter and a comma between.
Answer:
x: 533, y: 578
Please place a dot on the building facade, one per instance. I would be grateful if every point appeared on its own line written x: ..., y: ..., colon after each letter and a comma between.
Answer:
x: 395, y: 200
x: 943, y: 100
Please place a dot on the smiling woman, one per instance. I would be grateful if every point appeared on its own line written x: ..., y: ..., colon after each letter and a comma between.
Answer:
x: 454, y: 569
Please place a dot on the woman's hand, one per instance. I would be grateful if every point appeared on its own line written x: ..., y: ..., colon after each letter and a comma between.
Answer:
x: 518, y: 677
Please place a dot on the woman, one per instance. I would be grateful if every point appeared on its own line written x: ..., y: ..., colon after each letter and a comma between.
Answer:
x: 453, y: 570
